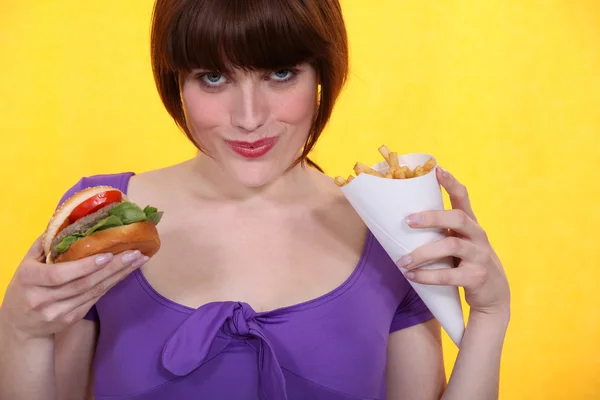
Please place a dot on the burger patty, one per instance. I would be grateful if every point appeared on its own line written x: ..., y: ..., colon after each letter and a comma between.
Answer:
x: 82, y: 225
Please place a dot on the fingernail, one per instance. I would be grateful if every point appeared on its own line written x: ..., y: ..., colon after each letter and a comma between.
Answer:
x: 444, y: 172
x: 140, y: 261
x: 415, y: 219
x: 404, y: 261
x: 410, y: 275
x: 131, y: 257
x: 103, y: 259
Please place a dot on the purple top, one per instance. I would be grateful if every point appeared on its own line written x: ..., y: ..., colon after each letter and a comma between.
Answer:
x: 332, y: 347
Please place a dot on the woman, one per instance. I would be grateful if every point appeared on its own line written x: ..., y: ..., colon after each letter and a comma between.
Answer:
x: 267, y: 284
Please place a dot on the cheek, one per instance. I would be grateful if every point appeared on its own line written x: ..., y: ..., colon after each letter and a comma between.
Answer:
x: 296, y: 107
x: 201, y: 113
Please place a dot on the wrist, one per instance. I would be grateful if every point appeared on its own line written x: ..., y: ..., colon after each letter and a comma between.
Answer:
x: 500, y: 318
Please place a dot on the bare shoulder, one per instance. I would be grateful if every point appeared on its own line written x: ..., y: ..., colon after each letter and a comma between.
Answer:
x: 334, y: 210
x: 155, y: 178
x: 154, y: 186
x: 336, y: 202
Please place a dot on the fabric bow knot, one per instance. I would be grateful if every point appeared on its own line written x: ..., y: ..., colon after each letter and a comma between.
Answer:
x: 198, y: 339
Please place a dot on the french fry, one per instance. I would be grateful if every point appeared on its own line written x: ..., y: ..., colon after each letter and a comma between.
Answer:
x: 385, y: 152
x: 419, y: 171
x: 399, y: 174
x: 393, y: 161
x: 340, y: 181
x: 429, y: 165
x: 395, y: 171
x: 360, y: 168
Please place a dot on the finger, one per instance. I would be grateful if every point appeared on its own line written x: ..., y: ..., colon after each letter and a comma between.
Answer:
x: 459, y: 196
x: 51, y: 275
x: 79, y: 312
x: 65, y: 315
x: 466, y: 275
x: 99, y: 289
x: 96, y: 281
x: 456, y: 220
x: 87, y: 287
x: 447, y: 247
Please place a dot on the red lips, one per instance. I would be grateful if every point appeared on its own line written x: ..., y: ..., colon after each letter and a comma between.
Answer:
x: 252, y: 149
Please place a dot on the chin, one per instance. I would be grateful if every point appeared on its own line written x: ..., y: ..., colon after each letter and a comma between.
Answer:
x: 257, y: 175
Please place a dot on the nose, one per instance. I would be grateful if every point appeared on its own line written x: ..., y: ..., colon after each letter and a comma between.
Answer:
x: 250, y: 107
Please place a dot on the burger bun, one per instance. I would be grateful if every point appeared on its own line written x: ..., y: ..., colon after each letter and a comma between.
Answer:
x: 142, y: 236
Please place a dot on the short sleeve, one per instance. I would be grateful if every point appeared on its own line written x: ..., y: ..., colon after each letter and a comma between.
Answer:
x: 116, y: 180
x: 79, y: 186
x: 411, y: 311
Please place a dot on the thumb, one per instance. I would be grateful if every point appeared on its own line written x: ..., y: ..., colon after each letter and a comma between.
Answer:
x: 36, y: 251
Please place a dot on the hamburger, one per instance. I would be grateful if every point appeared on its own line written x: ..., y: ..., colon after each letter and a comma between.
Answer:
x: 100, y: 219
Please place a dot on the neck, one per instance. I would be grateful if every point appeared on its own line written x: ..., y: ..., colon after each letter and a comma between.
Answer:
x: 214, y: 183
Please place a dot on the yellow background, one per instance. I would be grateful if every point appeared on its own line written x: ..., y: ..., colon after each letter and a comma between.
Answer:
x: 505, y: 93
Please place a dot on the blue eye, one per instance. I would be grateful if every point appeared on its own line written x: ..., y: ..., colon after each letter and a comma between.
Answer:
x: 282, y: 75
x: 212, y: 78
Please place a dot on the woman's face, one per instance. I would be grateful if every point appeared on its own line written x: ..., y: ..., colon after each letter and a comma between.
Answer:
x: 252, y: 123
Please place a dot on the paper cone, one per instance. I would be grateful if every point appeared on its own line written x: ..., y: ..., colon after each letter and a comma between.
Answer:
x: 383, y: 204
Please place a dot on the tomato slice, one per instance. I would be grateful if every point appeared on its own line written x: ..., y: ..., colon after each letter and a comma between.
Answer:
x: 95, y: 203
x: 64, y: 225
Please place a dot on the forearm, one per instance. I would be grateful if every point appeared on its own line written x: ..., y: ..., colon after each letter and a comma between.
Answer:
x: 477, y: 368
x: 26, y: 367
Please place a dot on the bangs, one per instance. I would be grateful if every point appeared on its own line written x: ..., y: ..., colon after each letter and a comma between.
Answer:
x: 220, y: 35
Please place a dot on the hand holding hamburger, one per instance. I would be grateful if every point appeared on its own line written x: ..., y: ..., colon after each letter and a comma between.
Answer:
x: 98, y: 220
x: 94, y: 240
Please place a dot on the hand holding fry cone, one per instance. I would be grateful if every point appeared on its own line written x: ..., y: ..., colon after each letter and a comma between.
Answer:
x: 384, y: 195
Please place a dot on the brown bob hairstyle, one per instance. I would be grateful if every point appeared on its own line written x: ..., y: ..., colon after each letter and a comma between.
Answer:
x: 220, y: 35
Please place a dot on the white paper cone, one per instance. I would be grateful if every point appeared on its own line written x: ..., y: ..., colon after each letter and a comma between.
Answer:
x: 383, y: 204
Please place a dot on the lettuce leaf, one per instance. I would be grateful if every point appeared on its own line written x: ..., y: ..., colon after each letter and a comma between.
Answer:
x: 128, y: 213
x: 66, y: 242
x: 124, y: 214
x: 153, y: 214
x: 108, y: 222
